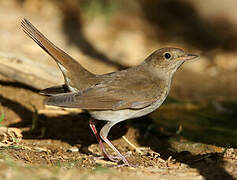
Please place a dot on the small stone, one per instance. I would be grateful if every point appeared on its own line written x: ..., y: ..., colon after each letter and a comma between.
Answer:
x: 39, y: 149
x: 230, y: 153
x: 73, y: 149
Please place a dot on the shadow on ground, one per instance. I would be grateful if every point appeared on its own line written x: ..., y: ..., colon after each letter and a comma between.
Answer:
x: 204, y: 123
x: 210, y: 165
x: 73, y: 129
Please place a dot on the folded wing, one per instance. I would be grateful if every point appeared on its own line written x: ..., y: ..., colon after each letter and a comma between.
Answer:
x: 108, y: 97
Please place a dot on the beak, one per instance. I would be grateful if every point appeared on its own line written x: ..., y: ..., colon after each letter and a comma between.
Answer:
x: 187, y: 57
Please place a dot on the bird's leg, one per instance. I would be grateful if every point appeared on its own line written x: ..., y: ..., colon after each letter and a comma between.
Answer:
x: 104, y: 133
x: 106, y: 154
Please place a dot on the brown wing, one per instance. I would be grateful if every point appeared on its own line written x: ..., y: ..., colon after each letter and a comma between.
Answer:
x: 109, y: 97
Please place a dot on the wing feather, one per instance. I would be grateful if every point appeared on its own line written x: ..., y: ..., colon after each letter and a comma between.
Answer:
x: 111, y: 98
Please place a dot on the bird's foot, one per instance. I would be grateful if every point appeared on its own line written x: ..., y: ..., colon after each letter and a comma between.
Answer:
x: 116, y: 158
x: 121, y: 161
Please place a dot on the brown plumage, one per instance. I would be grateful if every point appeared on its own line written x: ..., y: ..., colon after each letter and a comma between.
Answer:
x: 114, y: 97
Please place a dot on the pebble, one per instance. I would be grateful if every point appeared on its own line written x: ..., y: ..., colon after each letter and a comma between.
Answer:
x: 73, y: 149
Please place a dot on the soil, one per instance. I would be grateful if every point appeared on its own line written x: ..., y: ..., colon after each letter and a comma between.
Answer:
x: 192, y: 136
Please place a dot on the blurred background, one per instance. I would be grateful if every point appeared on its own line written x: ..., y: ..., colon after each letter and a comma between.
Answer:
x: 108, y: 35
x: 116, y: 34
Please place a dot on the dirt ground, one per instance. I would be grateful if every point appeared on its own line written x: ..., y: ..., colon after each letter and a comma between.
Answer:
x: 192, y: 136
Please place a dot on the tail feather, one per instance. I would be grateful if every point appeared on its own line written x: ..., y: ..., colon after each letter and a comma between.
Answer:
x: 69, y: 67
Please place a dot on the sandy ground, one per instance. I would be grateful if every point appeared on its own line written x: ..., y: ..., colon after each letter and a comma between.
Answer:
x: 192, y: 136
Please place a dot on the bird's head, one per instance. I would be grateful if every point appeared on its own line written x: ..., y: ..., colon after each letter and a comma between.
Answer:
x: 169, y: 59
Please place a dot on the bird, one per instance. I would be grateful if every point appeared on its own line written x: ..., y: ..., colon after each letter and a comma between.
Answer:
x: 112, y: 97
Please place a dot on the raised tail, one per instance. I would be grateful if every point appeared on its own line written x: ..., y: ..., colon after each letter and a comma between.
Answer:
x: 73, y: 72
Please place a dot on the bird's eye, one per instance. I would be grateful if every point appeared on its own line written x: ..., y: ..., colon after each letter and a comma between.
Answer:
x: 167, y: 56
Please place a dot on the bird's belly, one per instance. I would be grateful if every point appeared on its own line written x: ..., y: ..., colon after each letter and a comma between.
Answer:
x: 120, y: 115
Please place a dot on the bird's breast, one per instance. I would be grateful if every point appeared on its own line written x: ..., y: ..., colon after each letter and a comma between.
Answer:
x: 120, y: 115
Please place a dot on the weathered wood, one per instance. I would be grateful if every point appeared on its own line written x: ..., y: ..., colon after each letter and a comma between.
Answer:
x: 29, y: 72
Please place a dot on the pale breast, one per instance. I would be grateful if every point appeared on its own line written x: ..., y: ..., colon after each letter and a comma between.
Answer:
x: 120, y: 115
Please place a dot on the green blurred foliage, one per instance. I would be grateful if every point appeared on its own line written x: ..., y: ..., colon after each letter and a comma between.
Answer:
x: 105, y: 8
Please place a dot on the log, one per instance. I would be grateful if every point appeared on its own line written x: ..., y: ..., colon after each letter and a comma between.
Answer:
x: 29, y: 72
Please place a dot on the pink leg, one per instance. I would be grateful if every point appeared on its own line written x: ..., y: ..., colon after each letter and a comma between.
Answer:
x: 106, y: 154
x: 120, y: 156
x: 104, y: 133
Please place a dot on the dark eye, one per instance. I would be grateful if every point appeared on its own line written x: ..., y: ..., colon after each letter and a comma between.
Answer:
x: 167, y: 56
